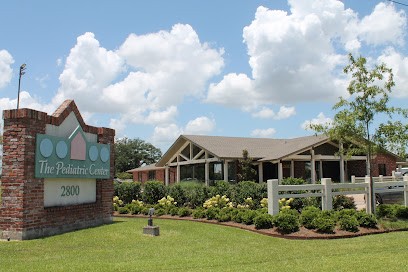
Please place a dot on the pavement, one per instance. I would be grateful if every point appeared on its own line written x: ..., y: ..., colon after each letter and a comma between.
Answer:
x: 359, y: 201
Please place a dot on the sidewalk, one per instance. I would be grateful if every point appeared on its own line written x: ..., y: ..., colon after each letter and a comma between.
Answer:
x: 359, y: 201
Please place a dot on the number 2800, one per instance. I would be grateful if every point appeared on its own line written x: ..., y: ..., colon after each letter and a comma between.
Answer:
x: 72, y: 190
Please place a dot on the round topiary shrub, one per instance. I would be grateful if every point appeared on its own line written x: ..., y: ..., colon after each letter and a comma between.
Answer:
x: 308, y: 215
x: 385, y: 211
x: 345, y: 213
x: 212, y: 213
x: 324, y: 224
x: 366, y: 220
x: 286, y: 223
x: 249, y: 216
x: 349, y: 223
x: 263, y: 221
x: 199, y: 213
x: 401, y: 212
x: 184, y: 211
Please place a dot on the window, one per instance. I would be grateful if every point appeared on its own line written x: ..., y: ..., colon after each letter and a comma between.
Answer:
x: 152, y: 175
x: 382, y: 169
x: 140, y: 176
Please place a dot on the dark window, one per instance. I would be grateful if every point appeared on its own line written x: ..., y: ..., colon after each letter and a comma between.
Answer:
x: 382, y: 169
x: 152, y: 175
x: 140, y: 176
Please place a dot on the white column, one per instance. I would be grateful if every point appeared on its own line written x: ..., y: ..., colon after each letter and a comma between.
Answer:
x: 166, y: 174
x: 342, y: 179
x: 225, y: 170
x: 260, y: 172
x: 313, y: 167
x: 207, y: 174
x: 280, y: 171
x: 273, y: 196
x: 327, y: 202
x: 178, y: 169
x: 292, y: 168
x: 321, y: 170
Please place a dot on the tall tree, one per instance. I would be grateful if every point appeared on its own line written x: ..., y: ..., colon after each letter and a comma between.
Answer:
x: 246, y: 173
x: 133, y: 153
x: 358, y: 121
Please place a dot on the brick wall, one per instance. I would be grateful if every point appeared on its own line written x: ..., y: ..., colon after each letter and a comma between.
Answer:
x: 160, y: 175
x: 22, y: 212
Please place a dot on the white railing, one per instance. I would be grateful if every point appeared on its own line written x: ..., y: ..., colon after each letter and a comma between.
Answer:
x: 325, y: 191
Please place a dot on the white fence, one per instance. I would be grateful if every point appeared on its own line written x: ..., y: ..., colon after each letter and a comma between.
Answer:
x: 325, y: 191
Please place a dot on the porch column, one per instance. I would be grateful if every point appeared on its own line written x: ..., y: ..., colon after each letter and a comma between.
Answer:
x: 280, y: 171
x: 260, y: 172
x: 321, y: 170
x: 341, y: 165
x: 178, y: 169
x: 292, y: 168
x: 207, y: 173
x: 166, y: 174
x: 313, y: 167
x: 225, y: 170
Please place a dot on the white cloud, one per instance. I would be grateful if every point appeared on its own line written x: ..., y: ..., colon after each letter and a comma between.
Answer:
x: 200, y: 126
x: 399, y: 65
x: 263, y: 133
x: 6, y: 73
x: 161, y: 117
x: 321, y: 119
x: 294, y: 56
x: 165, y: 134
x: 284, y: 113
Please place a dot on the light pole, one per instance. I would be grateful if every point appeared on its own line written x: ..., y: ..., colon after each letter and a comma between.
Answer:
x: 22, y: 68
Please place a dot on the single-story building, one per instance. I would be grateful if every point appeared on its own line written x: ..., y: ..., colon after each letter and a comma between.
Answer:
x: 209, y: 158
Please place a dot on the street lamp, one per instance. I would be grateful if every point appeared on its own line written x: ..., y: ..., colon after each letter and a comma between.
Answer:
x: 22, y: 69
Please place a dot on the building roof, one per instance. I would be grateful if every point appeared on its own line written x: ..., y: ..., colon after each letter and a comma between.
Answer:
x: 263, y: 149
x: 149, y: 167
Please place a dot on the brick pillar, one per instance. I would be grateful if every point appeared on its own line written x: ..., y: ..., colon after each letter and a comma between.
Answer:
x: 21, y: 194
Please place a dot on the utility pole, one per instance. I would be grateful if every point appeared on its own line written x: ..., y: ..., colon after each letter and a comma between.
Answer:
x: 22, y: 68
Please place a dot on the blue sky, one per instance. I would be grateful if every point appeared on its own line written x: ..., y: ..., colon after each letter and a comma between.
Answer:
x: 157, y: 69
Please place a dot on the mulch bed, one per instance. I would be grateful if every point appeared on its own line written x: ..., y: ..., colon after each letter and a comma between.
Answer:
x: 302, y: 234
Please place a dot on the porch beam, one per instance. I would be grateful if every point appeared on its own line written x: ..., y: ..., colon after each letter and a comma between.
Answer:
x: 260, y: 172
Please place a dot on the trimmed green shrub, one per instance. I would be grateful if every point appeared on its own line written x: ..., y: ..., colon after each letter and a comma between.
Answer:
x: 225, y: 215
x: 291, y: 212
x: 212, y: 213
x: 324, y: 224
x: 244, y: 190
x: 145, y: 211
x: 127, y: 191
x: 286, y: 222
x: 308, y: 216
x: 366, y: 220
x: 263, y: 221
x: 177, y: 192
x: 343, y: 202
x: 249, y: 216
x: 184, y: 211
x: 401, y: 211
x: 345, y: 213
x: 385, y: 211
x: 237, y: 217
x: 153, y: 192
x: 199, y: 213
x: 124, y: 175
x: 173, y: 211
x: 160, y: 212
x: 262, y: 210
x: 123, y: 210
x: 198, y: 196
x: 222, y: 187
x: 349, y: 223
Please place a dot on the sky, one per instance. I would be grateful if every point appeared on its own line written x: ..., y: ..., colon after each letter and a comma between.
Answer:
x: 157, y: 69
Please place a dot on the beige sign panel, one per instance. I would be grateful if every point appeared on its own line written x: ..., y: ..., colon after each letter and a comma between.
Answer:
x: 65, y: 191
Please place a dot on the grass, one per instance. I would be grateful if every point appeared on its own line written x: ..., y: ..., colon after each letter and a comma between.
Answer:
x: 193, y: 246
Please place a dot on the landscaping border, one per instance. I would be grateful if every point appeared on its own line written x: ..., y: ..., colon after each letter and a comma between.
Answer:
x: 303, y: 234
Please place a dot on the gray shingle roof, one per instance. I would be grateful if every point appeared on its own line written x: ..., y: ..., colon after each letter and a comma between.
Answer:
x: 264, y: 149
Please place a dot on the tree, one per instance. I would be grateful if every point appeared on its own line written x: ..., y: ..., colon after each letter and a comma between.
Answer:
x: 133, y: 153
x: 247, y: 173
x: 357, y: 124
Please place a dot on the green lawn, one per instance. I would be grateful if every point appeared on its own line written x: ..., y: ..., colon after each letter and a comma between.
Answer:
x: 194, y: 246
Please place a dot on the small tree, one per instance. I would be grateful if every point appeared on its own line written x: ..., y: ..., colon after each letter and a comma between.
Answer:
x: 356, y: 124
x: 246, y: 171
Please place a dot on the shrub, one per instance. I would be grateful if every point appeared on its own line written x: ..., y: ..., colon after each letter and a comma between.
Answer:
x: 343, y: 202
x: 385, y: 211
x: 218, y: 201
x: 225, y: 215
x: 245, y: 190
x: 324, y: 224
x: 123, y: 210
x: 145, y: 211
x: 127, y: 191
x: 348, y: 223
x: 401, y: 211
x: 286, y: 222
x: 199, y: 213
x: 160, y: 212
x: 345, y: 213
x: 153, y: 191
x: 262, y: 210
x: 198, y: 196
x: 177, y: 192
x: 263, y: 221
x: 237, y: 217
x: 212, y: 213
x: 184, y: 211
x: 124, y: 175
x: 308, y: 216
x: 117, y: 203
x: 291, y: 212
x: 167, y: 202
x: 366, y: 220
x: 222, y: 187
x: 173, y: 211
x: 249, y: 216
